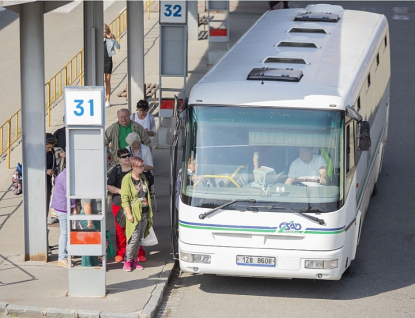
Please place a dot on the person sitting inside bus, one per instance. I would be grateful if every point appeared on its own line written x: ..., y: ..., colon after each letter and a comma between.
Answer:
x: 191, y: 167
x: 308, y: 167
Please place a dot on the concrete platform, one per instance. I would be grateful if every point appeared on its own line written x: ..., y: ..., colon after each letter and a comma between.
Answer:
x: 35, y: 289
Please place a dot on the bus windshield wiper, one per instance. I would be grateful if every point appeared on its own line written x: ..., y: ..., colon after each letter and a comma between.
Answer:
x: 313, y: 218
x: 268, y: 207
x: 203, y: 215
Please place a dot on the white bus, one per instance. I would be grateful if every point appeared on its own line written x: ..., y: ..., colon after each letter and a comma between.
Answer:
x: 313, y: 80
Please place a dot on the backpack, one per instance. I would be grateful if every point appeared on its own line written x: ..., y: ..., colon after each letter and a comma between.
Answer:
x: 17, y: 180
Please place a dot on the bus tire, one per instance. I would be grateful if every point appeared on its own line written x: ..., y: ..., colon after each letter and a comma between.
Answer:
x: 375, y: 190
x: 348, y: 271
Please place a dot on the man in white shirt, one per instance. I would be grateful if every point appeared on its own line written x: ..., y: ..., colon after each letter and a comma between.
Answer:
x: 308, y: 167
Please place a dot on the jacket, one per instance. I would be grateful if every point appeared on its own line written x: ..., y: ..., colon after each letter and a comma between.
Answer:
x: 128, y: 194
x: 59, y: 194
x: 111, y: 137
x: 112, y: 44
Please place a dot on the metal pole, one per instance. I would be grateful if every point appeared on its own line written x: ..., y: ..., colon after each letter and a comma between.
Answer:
x: 33, y: 130
x: 94, y: 53
x: 135, y: 52
x: 192, y: 20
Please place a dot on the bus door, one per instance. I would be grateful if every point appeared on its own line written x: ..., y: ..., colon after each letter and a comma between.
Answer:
x: 172, y: 139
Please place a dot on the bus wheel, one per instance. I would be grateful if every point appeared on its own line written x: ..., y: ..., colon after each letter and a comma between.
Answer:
x: 348, y: 271
x: 375, y: 190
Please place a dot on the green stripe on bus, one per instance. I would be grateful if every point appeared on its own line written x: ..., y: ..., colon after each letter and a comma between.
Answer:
x: 225, y: 229
x: 252, y: 230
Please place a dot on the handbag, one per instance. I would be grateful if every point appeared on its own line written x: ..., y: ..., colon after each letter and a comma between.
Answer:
x: 150, y: 239
x: 149, y: 177
x: 121, y: 217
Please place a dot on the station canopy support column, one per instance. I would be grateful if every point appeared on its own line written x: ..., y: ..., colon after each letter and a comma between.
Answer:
x: 192, y: 21
x: 32, y: 77
x: 93, y: 43
x: 135, y: 53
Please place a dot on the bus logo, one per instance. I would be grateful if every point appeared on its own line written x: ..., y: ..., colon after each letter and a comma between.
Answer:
x: 290, y: 227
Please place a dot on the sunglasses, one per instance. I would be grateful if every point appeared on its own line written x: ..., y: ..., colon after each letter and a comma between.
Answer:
x: 125, y: 156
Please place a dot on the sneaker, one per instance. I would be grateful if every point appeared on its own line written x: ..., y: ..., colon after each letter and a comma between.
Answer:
x: 63, y: 263
x: 142, y: 259
x: 127, y: 266
x: 107, y: 104
x: 139, y: 267
x: 53, y: 220
x: 119, y: 259
x: 136, y: 265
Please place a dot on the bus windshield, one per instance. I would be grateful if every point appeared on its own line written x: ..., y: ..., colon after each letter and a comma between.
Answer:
x: 290, y: 157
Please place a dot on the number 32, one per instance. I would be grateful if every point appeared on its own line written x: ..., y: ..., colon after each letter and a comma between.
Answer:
x: 177, y: 10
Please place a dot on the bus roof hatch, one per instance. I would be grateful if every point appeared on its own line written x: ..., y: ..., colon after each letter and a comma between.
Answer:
x: 275, y: 74
x: 317, y: 16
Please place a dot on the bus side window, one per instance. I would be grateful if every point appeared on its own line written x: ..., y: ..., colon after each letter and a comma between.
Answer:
x: 350, y: 154
x: 350, y: 146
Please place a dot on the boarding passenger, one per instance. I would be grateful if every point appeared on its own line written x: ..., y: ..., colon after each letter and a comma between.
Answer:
x: 114, y: 187
x: 59, y: 205
x: 116, y: 133
x: 59, y: 151
x: 50, y: 168
x: 136, y: 202
x: 137, y: 149
x: 308, y: 167
x: 145, y: 119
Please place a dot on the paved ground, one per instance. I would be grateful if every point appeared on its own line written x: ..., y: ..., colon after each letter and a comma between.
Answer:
x: 32, y: 289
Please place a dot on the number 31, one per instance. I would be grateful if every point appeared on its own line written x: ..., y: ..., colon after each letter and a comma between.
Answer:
x: 81, y: 110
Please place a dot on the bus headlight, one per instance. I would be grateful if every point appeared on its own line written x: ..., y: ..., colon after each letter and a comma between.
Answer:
x: 194, y: 258
x: 321, y: 264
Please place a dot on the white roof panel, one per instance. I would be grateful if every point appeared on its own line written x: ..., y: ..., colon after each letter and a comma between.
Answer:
x: 331, y: 68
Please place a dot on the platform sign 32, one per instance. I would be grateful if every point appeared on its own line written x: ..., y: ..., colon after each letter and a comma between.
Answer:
x: 173, y: 12
x: 84, y: 106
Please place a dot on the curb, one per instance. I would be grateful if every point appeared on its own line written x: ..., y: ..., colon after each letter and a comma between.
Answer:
x: 149, y: 311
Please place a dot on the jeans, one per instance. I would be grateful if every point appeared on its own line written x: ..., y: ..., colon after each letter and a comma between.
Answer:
x: 133, y: 243
x: 63, y: 238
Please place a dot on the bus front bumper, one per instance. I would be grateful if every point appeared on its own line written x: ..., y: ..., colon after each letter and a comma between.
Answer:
x: 251, y: 262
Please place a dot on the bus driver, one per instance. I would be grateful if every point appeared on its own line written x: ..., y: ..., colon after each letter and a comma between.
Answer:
x: 308, y: 167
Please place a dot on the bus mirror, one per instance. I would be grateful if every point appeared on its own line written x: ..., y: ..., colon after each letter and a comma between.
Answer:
x: 353, y: 114
x: 171, y: 131
x: 176, y: 105
x: 364, y: 136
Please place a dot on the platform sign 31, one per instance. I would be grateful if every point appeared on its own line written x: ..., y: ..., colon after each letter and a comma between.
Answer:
x: 84, y: 106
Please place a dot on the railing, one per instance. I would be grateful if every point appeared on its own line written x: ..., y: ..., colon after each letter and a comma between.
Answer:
x: 68, y: 75
x: 119, y: 25
x: 72, y: 72
x: 12, y: 126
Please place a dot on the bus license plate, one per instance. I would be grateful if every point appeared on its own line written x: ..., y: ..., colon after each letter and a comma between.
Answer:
x: 255, y: 261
